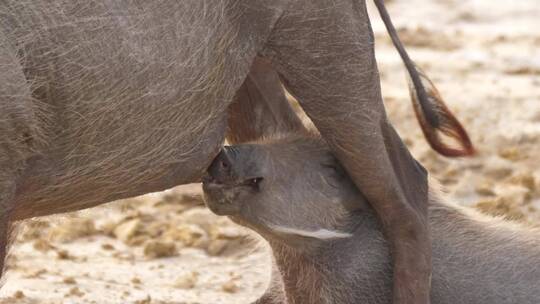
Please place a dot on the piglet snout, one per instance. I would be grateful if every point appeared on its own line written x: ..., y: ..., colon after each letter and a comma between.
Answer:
x: 221, y: 169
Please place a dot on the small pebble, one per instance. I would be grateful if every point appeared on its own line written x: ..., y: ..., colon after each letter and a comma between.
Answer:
x: 230, y: 287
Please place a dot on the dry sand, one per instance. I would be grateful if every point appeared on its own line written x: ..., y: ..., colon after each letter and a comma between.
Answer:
x: 484, y: 56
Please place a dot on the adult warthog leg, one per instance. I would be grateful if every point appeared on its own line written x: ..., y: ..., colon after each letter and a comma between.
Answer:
x: 260, y: 107
x: 7, y: 193
x: 19, y: 134
x: 325, y: 54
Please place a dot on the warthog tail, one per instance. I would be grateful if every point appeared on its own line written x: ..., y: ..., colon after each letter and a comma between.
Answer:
x: 432, y: 113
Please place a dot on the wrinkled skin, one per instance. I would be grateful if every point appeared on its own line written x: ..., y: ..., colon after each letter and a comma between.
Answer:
x: 102, y: 100
x: 328, y: 246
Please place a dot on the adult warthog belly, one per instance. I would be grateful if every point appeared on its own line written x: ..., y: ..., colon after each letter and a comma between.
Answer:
x: 132, y: 94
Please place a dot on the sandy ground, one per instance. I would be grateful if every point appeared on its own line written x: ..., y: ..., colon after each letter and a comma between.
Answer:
x: 483, y: 55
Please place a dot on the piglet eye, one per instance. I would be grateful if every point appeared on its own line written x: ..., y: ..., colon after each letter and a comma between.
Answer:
x: 256, y: 181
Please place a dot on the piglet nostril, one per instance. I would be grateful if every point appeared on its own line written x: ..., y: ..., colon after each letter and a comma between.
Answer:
x: 224, y: 164
x: 221, y: 168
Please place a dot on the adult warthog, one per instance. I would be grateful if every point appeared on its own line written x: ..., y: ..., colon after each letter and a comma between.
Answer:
x: 102, y: 100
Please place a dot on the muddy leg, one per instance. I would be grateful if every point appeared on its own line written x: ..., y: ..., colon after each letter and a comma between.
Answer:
x: 324, y: 52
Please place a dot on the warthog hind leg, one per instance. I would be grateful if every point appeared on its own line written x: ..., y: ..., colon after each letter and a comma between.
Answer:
x: 324, y: 52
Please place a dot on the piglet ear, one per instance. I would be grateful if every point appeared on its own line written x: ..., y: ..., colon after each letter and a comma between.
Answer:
x: 436, y: 120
